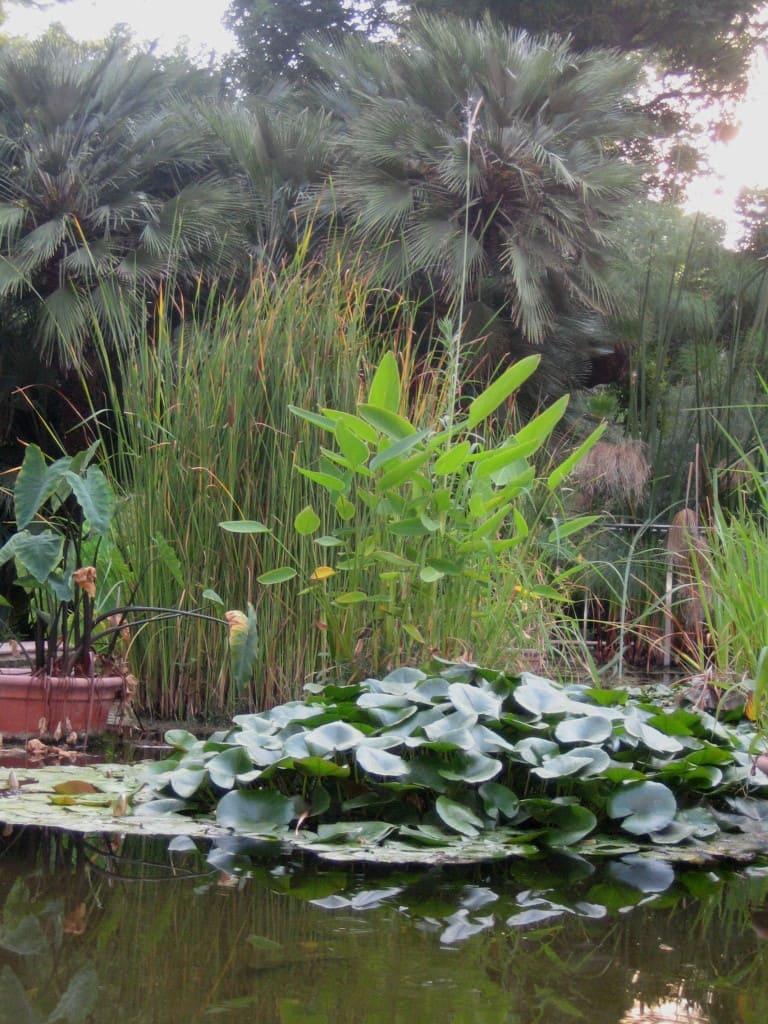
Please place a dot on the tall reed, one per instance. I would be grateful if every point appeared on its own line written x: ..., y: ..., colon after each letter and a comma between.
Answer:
x: 200, y: 432
x: 194, y: 411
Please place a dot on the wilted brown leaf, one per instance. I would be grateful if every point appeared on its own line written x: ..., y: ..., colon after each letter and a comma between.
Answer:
x: 75, y: 786
x: 75, y: 921
x: 85, y: 578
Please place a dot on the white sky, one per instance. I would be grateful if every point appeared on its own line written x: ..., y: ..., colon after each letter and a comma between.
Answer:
x: 742, y: 161
x: 167, y: 21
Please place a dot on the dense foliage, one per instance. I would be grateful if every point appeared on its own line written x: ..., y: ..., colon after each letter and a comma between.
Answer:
x: 104, y: 189
x: 465, y: 193
x: 470, y: 764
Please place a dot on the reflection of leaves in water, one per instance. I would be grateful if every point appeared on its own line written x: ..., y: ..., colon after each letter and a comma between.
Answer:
x: 74, y: 1007
x: 328, y: 966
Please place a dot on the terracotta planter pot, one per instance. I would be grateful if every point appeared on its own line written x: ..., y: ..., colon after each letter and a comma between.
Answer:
x: 26, y: 697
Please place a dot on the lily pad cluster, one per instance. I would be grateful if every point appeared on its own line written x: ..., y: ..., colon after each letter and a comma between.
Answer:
x: 499, y: 764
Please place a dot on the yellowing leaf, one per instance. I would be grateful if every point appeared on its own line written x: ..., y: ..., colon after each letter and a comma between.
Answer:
x: 322, y: 572
x: 750, y: 710
x: 75, y: 786
x: 243, y: 643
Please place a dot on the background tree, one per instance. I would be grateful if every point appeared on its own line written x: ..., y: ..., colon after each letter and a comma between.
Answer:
x: 272, y: 34
x: 105, y: 185
x: 752, y: 208
x: 698, y: 51
x: 478, y: 163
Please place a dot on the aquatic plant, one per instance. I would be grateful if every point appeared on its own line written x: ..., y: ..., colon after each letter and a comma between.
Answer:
x: 469, y: 763
x: 426, y: 517
x: 65, y: 559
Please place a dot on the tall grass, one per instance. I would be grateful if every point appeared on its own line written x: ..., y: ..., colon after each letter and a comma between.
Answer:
x: 200, y: 432
x: 732, y: 575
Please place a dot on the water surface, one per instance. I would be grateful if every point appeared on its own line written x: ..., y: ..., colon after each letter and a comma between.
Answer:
x: 130, y: 933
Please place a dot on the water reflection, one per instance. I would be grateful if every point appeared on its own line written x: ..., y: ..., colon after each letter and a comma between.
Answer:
x: 94, y: 932
x: 675, y: 1010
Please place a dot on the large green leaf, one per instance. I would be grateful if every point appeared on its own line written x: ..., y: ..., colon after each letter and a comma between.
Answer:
x: 352, y: 447
x: 335, y: 736
x: 540, y: 697
x: 16, y: 1007
x: 96, y: 498
x: 332, y: 483
x: 388, y: 422
x: 38, y: 553
x: 458, y: 817
x: 381, y: 762
x: 571, y: 526
x: 499, y: 799
x: 500, y: 390
x: 398, y: 449
x: 275, y: 576
x: 225, y: 767
x: 255, y: 810
x: 185, y: 782
x: 541, y: 426
x: 645, y: 807
x: 385, y: 386
x: 568, y: 824
x: 589, y: 729
x: 453, y: 459
x: 35, y: 484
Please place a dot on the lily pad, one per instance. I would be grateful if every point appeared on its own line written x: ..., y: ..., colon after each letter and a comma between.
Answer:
x: 381, y: 762
x: 458, y: 817
x: 645, y: 807
x: 254, y: 810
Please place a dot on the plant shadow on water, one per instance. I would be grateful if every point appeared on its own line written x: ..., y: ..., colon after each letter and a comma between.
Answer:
x: 95, y: 929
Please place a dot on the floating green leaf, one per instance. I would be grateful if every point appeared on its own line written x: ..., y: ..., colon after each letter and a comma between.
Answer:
x: 645, y: 807
x: 458, y: 817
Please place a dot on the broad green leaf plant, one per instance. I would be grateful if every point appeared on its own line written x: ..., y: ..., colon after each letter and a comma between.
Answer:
x: 427, y: 519
x: 477, y: 763
x: 64, y: 516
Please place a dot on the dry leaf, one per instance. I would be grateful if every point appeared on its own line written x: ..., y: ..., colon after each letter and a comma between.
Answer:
x: 42, y: 725
x: 75, y: 786
x: 57, y: 732
x: 118, y: 622
x: 13, y: 782
x: 322, y: 572
x: 237, y: 622
x: 74, y: 922
x: 85, y: 578
x: 36, y: 749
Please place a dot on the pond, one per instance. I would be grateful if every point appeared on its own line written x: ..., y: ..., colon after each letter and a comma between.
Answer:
x: 127, y: 931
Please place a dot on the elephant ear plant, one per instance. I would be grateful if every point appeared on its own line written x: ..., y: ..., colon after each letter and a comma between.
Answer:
x: 64, y: 517
x: 426, y: 518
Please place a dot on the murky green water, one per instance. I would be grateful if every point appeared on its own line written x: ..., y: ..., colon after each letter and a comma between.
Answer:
x: 126, y: 936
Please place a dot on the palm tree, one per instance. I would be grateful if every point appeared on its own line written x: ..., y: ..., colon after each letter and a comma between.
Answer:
x: 478, y: 162
x: 276, y: 150
x: 105, y: 191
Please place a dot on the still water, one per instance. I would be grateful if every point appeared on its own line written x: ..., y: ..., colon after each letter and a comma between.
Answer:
x: 132, y: 933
